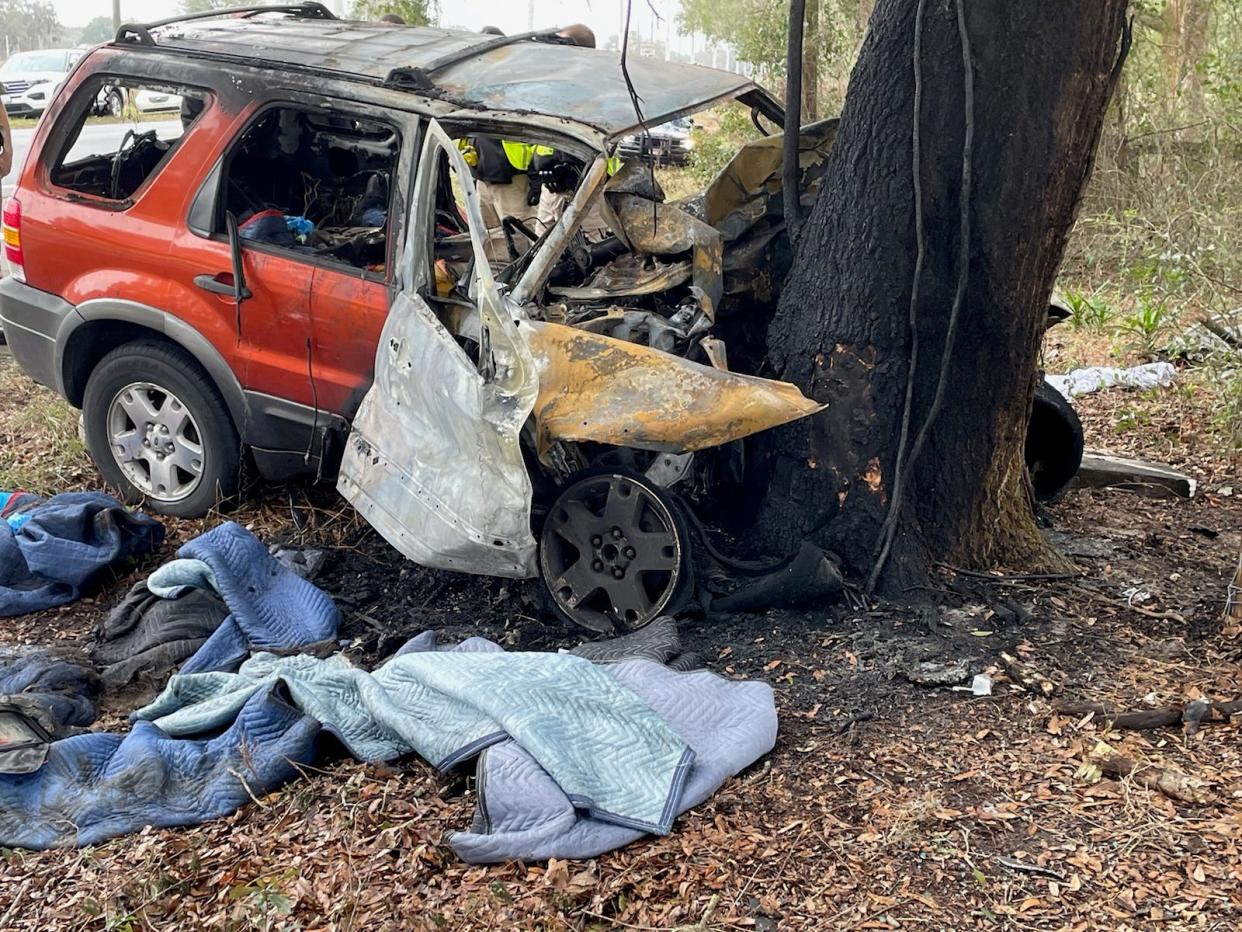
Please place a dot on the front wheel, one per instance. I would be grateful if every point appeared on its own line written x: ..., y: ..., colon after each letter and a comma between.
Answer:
x: 614, y: 553
x: 159, y: 431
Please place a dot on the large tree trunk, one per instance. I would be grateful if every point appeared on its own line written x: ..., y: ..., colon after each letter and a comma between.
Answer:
x: 1043, y: 73
x: 810, y: 63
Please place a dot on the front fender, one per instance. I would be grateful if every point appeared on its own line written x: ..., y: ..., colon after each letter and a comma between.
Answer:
x: 595, y: 387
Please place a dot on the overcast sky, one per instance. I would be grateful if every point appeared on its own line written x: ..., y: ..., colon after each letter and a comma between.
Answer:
x: 603, y: 16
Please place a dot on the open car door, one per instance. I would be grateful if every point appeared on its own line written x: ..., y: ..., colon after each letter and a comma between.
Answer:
x: 433, y: 460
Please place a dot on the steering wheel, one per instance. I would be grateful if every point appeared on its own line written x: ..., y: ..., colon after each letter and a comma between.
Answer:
x: 129, y: 142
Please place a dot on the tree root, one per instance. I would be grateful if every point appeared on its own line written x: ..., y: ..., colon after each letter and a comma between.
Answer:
x: 1191, y: 715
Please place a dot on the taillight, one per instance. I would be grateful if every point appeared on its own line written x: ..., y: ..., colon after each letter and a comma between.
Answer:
x: 12, y: 230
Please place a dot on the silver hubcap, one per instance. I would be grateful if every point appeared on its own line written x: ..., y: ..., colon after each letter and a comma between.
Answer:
x: 155, y: 441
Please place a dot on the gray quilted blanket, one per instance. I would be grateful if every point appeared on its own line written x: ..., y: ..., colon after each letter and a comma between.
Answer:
x: 522, y: 813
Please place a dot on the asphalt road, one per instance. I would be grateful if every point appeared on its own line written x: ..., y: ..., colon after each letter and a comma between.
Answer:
x: 97, y: 137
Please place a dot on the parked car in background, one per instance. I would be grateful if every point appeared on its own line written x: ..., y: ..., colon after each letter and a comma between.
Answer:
x: 30, y: 79
x: 112, y: 100
x: 667, y: 144
x: 146, y: 101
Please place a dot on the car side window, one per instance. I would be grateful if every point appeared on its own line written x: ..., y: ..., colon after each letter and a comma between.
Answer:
x: 317, y: 184
x: 123, y: 133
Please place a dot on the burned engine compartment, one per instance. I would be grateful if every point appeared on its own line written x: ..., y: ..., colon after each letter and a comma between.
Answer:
x: 698, y: 279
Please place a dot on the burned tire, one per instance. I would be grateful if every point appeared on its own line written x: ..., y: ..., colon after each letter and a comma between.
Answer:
x: 614, y: 553
x: 159, y: 431
x: 1054, y: 443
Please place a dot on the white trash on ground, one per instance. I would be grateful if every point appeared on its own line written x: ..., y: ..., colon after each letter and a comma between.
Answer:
x: 1094, y: 378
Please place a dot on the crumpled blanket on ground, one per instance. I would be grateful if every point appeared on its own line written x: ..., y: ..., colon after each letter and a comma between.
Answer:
x: 148, y: 634
x: 56, y: 546
x: 608, y: 751
x: 1095, y: 378
x: 97, y: 786
x: 57, y: 694
x: 659, y: 641
x: 523, y: 814
x: 270, y: 607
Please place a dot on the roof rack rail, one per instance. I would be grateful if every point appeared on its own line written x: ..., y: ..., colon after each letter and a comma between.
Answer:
x: 141, y: 32
x: 416, y: 78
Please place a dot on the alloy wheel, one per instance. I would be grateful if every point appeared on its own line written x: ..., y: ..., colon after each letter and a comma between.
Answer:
x: 155, y: 440
x: 612, y: 553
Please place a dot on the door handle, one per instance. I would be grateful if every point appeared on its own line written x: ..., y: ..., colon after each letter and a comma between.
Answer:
x: 220, y: 283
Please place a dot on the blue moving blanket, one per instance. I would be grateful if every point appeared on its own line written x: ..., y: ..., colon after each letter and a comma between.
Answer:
x: 270, y: 606
x: 49, y: 550
x: 580, y: 757
x: 605, y: 748
x: 598, y: 754
x: 96, y: 786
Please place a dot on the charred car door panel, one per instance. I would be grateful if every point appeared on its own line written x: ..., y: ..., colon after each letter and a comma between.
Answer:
x: 434, y: 460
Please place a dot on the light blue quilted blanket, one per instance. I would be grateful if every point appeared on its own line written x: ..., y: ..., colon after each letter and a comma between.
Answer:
x: 523, y: 815
x: 611, y: 755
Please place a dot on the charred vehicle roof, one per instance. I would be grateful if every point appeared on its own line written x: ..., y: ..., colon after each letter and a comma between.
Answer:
x: 582, y: 90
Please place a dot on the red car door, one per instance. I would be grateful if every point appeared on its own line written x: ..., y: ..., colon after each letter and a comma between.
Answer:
x: 271, y: 327
x: 347, y: 313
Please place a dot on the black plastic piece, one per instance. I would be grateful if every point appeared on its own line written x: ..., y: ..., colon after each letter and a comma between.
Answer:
x: 1054, y: 443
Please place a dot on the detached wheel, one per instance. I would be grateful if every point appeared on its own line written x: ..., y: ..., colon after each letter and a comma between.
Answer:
x: 614, y: 553
x: 159, y: 431
x: 1054, y: 443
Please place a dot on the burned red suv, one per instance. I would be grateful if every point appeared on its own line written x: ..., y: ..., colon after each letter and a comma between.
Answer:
x: 295, y: 268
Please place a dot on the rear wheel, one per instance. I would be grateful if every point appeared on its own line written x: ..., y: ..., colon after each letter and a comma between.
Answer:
x: 614, y: 553
x: 159, y: 431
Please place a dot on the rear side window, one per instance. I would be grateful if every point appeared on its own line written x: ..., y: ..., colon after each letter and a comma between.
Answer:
x: 315, y: 184
x: 123, y: 131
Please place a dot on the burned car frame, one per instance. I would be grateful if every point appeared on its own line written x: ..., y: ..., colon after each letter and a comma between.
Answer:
x: 587, y: 389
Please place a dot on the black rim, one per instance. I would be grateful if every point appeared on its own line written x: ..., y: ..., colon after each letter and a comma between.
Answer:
x: 611, y: 553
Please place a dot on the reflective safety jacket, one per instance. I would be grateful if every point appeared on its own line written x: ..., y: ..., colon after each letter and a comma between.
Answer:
x: 496, y: 161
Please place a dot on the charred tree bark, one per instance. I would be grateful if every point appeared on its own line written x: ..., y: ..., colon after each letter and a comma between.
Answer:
x: 1043, y: 73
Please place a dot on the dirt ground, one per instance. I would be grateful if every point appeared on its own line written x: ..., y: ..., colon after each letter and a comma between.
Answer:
x: 885, y: 804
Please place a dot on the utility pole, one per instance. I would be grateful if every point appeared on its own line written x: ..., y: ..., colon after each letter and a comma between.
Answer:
x: 116, y: 15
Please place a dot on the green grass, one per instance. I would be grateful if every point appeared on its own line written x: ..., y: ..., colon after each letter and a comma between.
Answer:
x: 39, y: 436
x: 155, y: 117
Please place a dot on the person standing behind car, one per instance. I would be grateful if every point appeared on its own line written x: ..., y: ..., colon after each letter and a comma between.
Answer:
x: 6, y: 144
x: 500, y: 167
